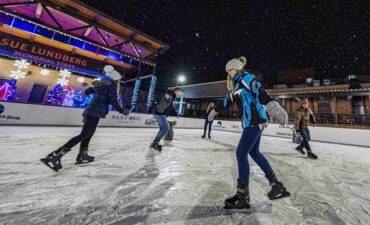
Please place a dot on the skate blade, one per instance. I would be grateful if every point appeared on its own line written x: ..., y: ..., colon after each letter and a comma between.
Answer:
x: 282, y: 195
x: 44, y: 161
x: 79, y: 163
x: 234, y: 210
x: 157, y: 150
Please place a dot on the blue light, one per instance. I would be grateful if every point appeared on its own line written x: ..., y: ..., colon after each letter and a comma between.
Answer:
x: 153, y: 84
x: 24, y: 25
x: 135, y: 96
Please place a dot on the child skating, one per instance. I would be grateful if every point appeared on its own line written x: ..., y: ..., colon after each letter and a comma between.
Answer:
x: 105, y: 94
x: 211, y: 113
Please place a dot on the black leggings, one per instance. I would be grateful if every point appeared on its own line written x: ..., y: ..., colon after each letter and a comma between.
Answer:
x: 88, y: 130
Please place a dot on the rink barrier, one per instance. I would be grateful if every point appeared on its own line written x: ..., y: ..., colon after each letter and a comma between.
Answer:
x: 42, y: 115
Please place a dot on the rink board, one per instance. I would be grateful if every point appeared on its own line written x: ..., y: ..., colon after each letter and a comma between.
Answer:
x: 28, y: 114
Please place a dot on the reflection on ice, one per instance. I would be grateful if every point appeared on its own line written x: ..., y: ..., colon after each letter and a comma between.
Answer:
x: 185, y: 184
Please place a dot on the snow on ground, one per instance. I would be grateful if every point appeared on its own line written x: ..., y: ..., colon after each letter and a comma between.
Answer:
x: 185, y: 184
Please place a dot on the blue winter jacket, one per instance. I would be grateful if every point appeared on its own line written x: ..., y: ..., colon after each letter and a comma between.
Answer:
x: 104, y: 94
x: 250, y: 97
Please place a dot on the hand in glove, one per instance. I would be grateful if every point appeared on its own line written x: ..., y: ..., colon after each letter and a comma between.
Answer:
x: 126, y: 112
x: 277, y: 112
x: 228, y: 100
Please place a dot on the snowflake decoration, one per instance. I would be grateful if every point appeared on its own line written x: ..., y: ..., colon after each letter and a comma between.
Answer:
x: 21, y: 64
x: 17, y: 74
x: 81, y: 79
x: 63, y: 81
x: 45, y: 72
x: 65, y: 73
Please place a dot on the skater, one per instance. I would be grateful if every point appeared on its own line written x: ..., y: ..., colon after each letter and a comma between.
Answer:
x: 211, y: 113
x: 303, y: 118
x: 161, y: 111
x: 251, y: 98
x: 105, y: 94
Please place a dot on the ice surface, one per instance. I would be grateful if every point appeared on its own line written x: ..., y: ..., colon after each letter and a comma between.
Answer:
x: 185, y: 184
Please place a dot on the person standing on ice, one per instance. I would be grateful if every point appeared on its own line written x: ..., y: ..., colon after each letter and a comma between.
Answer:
x: 161, y: 111
x: 303, y: 118
x: 105, y: 94
x: 253, y: 102
x: 211, y: 113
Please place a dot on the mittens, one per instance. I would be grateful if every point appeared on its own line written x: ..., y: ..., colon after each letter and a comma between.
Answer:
x: 277, y: 112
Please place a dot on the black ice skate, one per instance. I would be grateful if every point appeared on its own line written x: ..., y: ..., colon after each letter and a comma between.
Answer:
x: 209, y: 136
x: 240, y: 201
x: 83, y: 157
x: 156, y: 146
x: 204, y: 136
x: 278, y: 190
x: 311, y: 155
x: 299, y: 149
x: 53, y: 159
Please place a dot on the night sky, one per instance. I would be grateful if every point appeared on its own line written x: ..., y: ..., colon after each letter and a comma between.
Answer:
x: 331, y: 36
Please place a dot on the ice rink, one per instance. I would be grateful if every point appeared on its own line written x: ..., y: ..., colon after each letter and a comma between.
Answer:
x: 185, y: 184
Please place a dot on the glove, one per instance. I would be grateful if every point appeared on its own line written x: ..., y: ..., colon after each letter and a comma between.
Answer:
x: 227, y: 100
x: 277, y: 112
x: 126, y: 112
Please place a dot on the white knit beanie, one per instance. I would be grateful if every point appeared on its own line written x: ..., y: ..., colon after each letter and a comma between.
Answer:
x: 112, y: 73
x: 236, y: 64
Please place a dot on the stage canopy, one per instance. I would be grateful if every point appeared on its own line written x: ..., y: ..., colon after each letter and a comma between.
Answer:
x: 73, y: 26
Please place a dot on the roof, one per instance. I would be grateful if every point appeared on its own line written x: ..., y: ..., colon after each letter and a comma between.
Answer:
x: 218, y: 89
x: 80, y: 20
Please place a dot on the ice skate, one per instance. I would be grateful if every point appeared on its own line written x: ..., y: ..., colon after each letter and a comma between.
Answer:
x: 278, y: 190
x: 83, y: 157
x: 240, y: 201
x: 299, y: 149
x: 156, y: 146
x: 53, y: 159
x: 203, y: 136
x: 209, y: 136
x: 311, y: 155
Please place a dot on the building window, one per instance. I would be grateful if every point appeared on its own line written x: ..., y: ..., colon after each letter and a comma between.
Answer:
x: 324, y: 108
x: 37, y: 93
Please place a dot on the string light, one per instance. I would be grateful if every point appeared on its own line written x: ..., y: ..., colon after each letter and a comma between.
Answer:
x: 153, y: 84
x: 135, y: 95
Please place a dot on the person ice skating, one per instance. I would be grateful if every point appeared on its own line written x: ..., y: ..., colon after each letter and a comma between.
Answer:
x: 105, y: 94
x: 161, y: 111
x: 211, y: 113
x: 303, y: 118
x: 253, y: 102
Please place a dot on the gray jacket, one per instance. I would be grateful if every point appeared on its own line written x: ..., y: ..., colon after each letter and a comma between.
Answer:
x: 165, y: 106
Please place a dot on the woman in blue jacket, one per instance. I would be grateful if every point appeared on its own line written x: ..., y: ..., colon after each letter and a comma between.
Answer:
x: 253, y: 101
x: 104, y: 94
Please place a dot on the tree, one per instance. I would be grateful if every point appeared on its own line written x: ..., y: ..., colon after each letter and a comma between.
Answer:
x: 56, y: 95
x: 78, y: 100
x: 7, y: 90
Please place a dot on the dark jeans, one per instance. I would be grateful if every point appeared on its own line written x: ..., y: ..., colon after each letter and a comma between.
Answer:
x: 164, y: 127
x: 306, y: 137
x: 249, y: 144
x: 208, y: 123
x: 88, y: 130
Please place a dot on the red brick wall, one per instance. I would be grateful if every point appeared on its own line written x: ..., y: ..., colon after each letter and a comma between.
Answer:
x: 344, y: 106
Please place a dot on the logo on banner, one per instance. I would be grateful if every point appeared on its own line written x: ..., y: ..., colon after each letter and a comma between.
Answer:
x: 219, y: 125
x: 127, y: 120
x: 2, y: 108
x: 151, y: 122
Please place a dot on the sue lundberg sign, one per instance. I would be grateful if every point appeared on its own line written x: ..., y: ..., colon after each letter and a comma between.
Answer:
x: 21, y: 48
